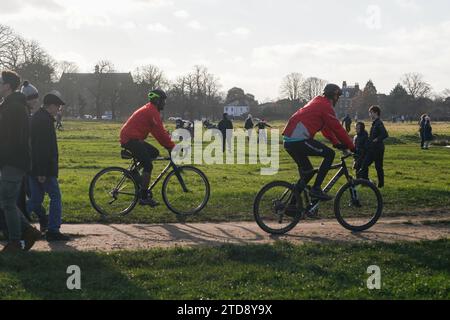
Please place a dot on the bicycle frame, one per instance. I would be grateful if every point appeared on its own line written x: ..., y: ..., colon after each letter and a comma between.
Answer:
x: 170, y: 165
x: 342, y: 172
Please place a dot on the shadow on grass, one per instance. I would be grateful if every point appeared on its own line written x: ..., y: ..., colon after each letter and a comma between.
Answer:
x: 44, y: 276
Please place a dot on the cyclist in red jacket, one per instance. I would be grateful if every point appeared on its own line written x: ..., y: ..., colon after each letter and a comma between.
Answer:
x: 145, y: 121
x: 317, y: 115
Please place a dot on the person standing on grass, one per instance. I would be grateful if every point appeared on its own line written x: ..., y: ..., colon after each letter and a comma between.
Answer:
x: 361, y: 143
x: 223, y: 126
x: 14, y: 162
x: 249, y: 125
x: 428, y: 133
x: 376, y: 148
x: 347, y: 123
x: 44, y: 173
x: 59, y: 116
x: 422, y: 123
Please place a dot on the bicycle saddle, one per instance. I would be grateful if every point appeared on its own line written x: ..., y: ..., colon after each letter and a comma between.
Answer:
x: 126, y: 155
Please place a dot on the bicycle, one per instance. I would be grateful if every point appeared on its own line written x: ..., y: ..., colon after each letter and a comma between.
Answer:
x: 115, y: 191
x: 358, y: 205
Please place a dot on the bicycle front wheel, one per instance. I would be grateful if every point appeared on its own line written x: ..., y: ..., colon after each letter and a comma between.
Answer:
x: 278, y: 208
x: 113, y: 192
x: 186, y: 191
x: 358, y: 205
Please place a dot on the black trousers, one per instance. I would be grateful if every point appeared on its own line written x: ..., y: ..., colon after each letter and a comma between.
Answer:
x: 144, y: 152
x: 377, y: 156
x: 301, y: 151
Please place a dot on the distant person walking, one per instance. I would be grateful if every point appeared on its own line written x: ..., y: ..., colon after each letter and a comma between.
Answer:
x: 347, y: 123
x: 249, y: 125
x: 422, y: 123
x: 262, y: 133
x: 428, y: 133
x: 59, y: 116
x: 223, y: 126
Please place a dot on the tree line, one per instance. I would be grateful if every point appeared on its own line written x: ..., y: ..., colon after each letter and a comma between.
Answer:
x: 198, y: 94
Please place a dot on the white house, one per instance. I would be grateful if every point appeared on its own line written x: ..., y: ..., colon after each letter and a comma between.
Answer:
x: 236, y: 111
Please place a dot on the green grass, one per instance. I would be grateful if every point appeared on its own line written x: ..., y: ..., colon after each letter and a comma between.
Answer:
x: 416, y: 180
x: 280, y: 271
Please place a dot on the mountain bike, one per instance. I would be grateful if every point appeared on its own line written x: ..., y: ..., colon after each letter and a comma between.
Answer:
x: 115, y: 191
x: 280, y: 206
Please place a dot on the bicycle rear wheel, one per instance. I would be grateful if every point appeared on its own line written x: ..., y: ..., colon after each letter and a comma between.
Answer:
x: 186, y: 191
x: 113, y: 192
x: 358, y: 205
x: 271, y: 208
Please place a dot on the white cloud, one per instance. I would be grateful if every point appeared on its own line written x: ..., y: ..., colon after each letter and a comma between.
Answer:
x: 129, y: 25
x: 372, y: 19
x: 182, y: 14
x: 158, y: 27
x: 77, y: 19
x: 194, y: 24
x: 408, y: 4
x: 240, y: 32
x: 163, y: 63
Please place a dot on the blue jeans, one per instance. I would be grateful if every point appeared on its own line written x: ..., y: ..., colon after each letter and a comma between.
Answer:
x: 38, y: 191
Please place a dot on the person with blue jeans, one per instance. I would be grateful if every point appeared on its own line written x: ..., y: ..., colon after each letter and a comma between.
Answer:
x: 14, y: 163
x: 43, y: 178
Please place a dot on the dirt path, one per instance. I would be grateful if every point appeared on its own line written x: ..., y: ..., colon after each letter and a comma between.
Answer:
x: 95, y: 237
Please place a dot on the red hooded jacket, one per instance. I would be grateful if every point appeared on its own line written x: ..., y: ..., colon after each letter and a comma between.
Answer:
x: 317, y: 115
x: 145, y: 121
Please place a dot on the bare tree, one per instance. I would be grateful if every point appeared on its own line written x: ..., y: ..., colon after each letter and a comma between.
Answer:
x: 102, y: 68
x: 291, y: 86
x: 65, y: 67
x: 415, y: 85
x: 7, y: 41
x: 151, y: 77
x: 312, y: 87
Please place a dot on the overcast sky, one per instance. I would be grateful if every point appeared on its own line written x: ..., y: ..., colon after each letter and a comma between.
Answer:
x: 251, y: 44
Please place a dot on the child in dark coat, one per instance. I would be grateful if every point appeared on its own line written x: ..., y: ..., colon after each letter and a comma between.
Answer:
x: 361, y: 143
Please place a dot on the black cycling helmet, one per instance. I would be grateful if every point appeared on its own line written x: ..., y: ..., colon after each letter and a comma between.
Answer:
x: 157, y: 94
x: 158, y: 98
x: 331, y: 90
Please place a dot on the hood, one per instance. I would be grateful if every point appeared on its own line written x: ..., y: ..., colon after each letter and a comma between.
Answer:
x: 16, y: 97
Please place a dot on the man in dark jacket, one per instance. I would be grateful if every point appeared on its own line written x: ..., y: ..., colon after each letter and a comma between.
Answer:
x: 225, y: 125
x: 375, y: 152
x: 249, y: 125
x: 14, y: 162
x: 44, y: 173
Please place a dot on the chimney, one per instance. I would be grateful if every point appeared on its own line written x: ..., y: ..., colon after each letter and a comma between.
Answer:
x: 344, y: 85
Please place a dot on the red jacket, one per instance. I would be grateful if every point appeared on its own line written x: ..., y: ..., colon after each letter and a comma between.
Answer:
x: 317, y: 115
x: 145, y: 121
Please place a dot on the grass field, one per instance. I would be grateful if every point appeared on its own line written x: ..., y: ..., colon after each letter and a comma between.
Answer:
x: 416, y: 180
x: 281, y: 271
